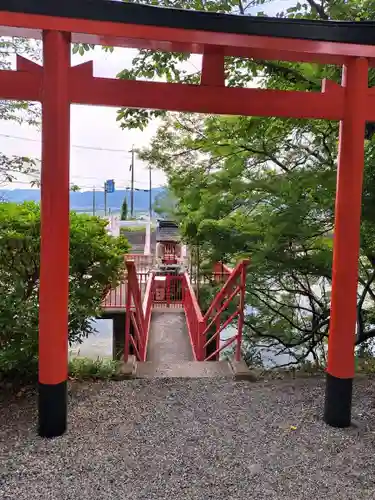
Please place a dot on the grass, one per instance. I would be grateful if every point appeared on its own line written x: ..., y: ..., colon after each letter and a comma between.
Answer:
x: 93, y: 369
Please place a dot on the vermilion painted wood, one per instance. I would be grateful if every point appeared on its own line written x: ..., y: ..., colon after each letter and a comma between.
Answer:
x: 147, y: 308
x: 194, y: 317
x: 213, y: 69
x: 181, y: 97
x: 205, y: 99
x: 190, y: 41
x: 54, y: 253
x: 138, y: 318
x: 347, y: 222
x: 234, y: 286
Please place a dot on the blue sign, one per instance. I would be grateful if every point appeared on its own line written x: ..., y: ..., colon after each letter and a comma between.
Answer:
x: 110, y: 186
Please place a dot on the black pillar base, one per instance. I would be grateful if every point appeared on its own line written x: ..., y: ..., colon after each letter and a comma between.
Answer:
x: 52, y: 409
x: 338, y: 401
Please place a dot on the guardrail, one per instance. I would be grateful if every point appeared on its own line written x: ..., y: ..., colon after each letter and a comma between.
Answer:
x: 194, y: 318
x: 205, y: 330
x: 138, y: 314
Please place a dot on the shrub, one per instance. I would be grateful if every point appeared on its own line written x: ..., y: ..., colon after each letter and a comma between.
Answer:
x: 96, y: 264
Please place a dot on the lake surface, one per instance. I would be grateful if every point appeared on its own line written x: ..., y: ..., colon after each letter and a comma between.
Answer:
x: 98, y: 344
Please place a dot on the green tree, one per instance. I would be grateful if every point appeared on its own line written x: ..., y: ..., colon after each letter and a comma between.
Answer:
x: 96, y: 264
x: 264, y: 187
x: 237, y: 201
x: 11, y: 167
x: 124, y: 210
x: 165, y: 205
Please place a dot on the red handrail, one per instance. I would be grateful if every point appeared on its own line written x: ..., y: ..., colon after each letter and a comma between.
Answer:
x: 221, y: 272
x: 137, y: 313
x: 234, y: 286
x: 194, y: 319
x: 147, y: 306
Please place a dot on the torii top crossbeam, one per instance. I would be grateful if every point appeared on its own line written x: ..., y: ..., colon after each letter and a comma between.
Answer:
x: 107, y: 22
x: 214, y: 35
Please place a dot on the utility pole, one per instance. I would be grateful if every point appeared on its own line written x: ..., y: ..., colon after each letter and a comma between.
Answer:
x: 93, y: 201
x: 150, y: 197
x: 132, y: 184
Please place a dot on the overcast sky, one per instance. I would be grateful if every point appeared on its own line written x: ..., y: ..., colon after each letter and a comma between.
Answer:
x: 96, y: 127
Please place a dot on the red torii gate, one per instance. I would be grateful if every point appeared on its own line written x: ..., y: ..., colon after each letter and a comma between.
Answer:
x: 57, y: 85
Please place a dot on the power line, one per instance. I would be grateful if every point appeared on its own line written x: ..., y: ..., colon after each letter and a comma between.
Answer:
x: 100, y: 180
x: 98, y: 188
x: 93, y: 148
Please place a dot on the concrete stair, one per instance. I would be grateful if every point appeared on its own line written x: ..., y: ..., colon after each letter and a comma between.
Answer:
x: 183, y: 369
x: 169, y: 355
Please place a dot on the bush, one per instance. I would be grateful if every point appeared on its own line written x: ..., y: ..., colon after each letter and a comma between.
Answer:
x: 93, y: 369
x: 96, y: 264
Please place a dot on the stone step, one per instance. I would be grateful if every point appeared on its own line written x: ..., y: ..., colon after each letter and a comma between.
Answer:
x: 183, y: 369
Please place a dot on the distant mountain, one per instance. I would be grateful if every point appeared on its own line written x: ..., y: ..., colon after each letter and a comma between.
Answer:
x: 83, y: 200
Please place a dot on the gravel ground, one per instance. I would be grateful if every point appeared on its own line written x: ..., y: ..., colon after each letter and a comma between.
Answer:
x: 191, y: 439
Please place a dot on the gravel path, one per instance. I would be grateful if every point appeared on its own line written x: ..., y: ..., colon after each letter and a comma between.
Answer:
x: 191, y: 439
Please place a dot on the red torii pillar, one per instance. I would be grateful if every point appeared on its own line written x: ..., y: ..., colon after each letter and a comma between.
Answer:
x: 340, y: 369
x: 54, y: 253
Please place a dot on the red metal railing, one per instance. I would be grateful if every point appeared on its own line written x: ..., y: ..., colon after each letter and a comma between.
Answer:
x: 194, y: 318
x: 116, y: 297
x: 137, y: 314
x: 143, y: 263
x: 220, y: 273
x: 234, y: 287
x: 176, y: 291
x: 200, y: 327
x: 168, y: 291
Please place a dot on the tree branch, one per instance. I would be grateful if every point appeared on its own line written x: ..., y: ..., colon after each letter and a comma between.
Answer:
x: 319, y: 10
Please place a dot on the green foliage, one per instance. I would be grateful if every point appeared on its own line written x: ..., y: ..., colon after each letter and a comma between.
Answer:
x: 89, y: 369
x: 18, y: 111
x: 246, y: 197
x: 265, y: 188
x: 240, y: 72
x: 124, y: 210
x: 165, y: 205
x: 96, y: 263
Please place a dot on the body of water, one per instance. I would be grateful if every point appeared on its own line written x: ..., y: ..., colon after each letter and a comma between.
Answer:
x: 99, y: 345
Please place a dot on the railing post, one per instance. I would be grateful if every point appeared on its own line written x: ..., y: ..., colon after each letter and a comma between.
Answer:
x: 127, y: 321
x: 201, y: 341
x: 241, y: 316
x: 217, y: 340
x: 168, y: 290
